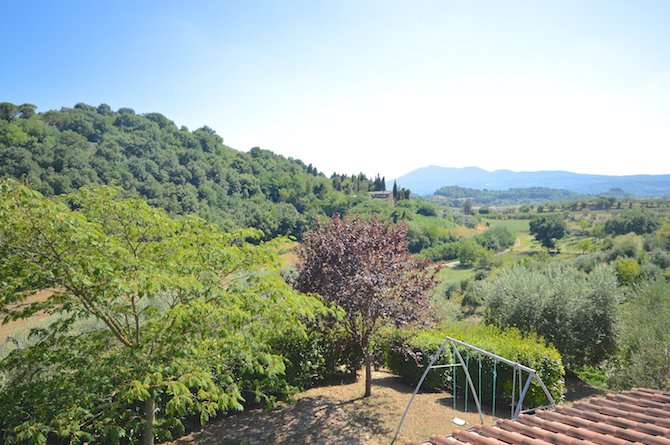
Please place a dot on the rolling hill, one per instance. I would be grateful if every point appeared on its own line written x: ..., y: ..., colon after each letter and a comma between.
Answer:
x: 182, y: 171
x: 426, y: 180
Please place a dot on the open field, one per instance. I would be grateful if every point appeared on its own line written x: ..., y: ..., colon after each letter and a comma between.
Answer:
x: 517, y: 226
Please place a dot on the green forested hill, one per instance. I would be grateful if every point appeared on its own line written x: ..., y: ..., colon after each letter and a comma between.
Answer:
x: 509, y: 197
x: 180, y: 170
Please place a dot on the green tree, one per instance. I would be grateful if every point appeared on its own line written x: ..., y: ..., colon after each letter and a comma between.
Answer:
x: 364, y: 267
x: 548, y: 229
x: 26, y: 111
x: 497, y: 239
x: 467, y: 206
x: 470, y: 252
x: 636, y: 220
x: 8, y: 111
x: 575, y: 312
x: 152, y: 319
x: 585, y: 245
x: 644, y: 358
x: 627, y: 270
x: 426, y: 209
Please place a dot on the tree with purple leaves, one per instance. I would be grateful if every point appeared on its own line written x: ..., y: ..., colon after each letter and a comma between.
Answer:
x: 366, y: 269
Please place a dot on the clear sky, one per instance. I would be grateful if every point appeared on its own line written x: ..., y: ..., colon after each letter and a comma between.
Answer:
x: 375, y: 86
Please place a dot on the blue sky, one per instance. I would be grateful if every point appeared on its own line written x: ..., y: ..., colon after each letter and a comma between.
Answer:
x: 374, y: 86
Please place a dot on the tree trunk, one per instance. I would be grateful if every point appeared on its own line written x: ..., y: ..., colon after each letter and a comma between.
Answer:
x: 368, y: 369
x: 149, y: 416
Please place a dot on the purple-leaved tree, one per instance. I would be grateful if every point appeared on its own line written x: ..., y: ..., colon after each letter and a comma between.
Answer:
x: 364, y: 267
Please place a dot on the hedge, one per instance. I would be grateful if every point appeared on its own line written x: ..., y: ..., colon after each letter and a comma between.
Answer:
x: 408, y: 353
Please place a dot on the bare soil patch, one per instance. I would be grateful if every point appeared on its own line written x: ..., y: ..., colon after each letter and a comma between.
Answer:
x: 337, y: 414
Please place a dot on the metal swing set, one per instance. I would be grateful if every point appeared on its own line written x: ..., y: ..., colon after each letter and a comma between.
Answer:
x: 517, y: 374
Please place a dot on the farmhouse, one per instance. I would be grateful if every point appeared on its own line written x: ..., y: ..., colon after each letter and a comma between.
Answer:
x: 384, y: 196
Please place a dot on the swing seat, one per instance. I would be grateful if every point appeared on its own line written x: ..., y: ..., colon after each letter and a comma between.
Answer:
x: 458, y: 421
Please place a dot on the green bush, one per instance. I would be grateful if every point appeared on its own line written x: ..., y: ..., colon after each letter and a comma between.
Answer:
x: 426, y: 209
x: 306, y: 359
x: 442, y: 252
x: 321, y: 354
x: 410, y: 352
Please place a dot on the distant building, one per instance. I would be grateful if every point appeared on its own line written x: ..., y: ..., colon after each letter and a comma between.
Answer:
x: 387, y: 196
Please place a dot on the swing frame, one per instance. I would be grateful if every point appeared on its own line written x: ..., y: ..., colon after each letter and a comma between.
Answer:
x: 518, y: 367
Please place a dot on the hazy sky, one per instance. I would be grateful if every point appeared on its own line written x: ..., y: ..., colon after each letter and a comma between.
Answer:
x: 374, y: 86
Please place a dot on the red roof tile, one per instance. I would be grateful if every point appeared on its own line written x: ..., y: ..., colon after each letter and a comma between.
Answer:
x: 637, y: 416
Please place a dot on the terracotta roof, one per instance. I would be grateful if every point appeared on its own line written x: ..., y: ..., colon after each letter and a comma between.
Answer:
x: 636, y: 416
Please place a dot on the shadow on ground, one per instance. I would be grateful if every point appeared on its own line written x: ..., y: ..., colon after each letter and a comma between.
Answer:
x: 314, y: 420
x: 576, y: 389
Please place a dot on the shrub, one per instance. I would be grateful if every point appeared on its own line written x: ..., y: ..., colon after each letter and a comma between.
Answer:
x: 442, y: 252
x: 306, y: 359
x: 627, y: 270
x: 410, y: 352
x: 497, y: 238
x: 661, y: 258
x: 325, y: 351
x: 628, y: 246
x: 588, y: 263
x: 650, y: 271
x: 426, y: 209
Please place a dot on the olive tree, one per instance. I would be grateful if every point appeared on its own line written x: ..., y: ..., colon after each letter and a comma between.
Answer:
x: 644, y: 356
x: 574, y: 311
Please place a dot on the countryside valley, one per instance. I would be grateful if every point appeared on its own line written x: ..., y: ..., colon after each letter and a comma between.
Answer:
x: 156, y: 284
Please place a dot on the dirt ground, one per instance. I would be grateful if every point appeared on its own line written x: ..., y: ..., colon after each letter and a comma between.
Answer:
x: 337, y: 414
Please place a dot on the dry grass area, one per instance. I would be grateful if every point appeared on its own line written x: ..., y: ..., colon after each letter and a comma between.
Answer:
x: 14, y: 327
x: 337, y: 414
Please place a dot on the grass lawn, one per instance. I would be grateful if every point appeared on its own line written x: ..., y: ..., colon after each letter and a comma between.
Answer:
x: 518, y: 226
x: 450, y: 275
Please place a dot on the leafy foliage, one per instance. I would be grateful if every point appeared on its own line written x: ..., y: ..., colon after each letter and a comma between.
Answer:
x: 497, y: 238
x: 634, y: 220
x: 575, y: 312
x: 178, y: 170
x: 507, y: 197
x: 627, y: 270
x: 410, y: 352
x: 548, y: 229
x: 364, y: 267
x: 150, y: 316
x: 644, y: 358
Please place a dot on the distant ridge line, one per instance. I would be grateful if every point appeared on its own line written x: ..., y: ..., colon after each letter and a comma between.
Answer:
x: 426, y: 180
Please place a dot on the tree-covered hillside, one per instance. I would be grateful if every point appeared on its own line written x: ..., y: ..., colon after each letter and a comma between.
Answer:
x: 179, y: 170
x: 508, y: 197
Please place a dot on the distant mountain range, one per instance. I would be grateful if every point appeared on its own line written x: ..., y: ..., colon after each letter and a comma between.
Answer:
x: 426, y: 180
